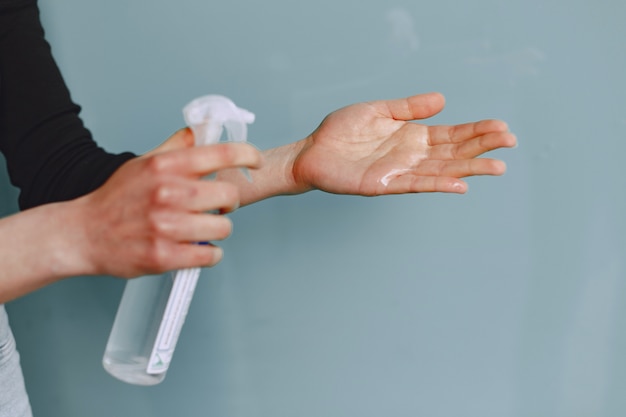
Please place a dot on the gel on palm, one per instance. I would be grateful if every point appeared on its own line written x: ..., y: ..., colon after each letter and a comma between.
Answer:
x: 153, y: 308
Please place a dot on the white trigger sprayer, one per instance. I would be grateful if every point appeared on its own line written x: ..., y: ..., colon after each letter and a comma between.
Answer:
x: 153, y: 308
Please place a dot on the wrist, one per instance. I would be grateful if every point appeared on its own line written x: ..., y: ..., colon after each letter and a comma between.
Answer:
x: 65, y: 241
x: 288, y: 156
x: 276, y: 176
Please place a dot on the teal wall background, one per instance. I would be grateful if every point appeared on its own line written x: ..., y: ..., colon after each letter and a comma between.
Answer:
x: 509, y: 301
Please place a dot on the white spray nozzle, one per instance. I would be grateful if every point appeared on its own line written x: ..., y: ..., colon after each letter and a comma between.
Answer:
x: 207, y: 117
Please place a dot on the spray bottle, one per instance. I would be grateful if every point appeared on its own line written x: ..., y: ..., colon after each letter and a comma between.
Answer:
x: 153, y: 308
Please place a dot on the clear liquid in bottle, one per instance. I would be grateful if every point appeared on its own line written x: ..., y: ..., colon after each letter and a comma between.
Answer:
x: 147, y: 325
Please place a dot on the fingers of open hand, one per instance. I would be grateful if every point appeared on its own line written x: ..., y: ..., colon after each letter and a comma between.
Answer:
x: 473, y: 147
x: 411, y: 183
x: 440, y: 176
x: 461, y: 168
x: 460, y: 133
x: 204, y: 160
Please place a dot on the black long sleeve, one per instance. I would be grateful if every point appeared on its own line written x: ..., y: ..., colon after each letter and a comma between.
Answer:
x: 50, y: 154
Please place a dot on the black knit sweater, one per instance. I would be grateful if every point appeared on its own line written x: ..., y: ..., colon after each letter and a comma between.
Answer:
x: 50, y: 154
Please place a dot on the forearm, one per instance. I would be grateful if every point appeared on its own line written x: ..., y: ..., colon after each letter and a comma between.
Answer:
x: 275, y: 177
x: 38, y: 247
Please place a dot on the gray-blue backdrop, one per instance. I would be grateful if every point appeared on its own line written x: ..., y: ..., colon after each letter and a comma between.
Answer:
x: 508, y: 301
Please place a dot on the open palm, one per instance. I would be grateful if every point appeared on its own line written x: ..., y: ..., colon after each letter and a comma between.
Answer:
x: 372, y: 149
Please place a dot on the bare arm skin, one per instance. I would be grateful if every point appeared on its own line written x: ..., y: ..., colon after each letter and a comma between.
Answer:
x: 145, y: 217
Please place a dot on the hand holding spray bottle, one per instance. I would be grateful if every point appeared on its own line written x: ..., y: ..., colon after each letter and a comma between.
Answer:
x: 153, y: 308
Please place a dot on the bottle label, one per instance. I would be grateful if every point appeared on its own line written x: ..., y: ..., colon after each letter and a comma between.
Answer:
x: 173, y: 318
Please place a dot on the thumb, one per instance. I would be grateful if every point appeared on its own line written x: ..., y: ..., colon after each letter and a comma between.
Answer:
x: 182, y: 139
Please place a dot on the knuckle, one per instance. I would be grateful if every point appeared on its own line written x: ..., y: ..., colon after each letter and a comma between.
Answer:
x: 155, y: 257
x: 455, y: 152
x: 452, y: 132
x: 154, y: 222
x: 169, y: 192
x: 228, y: 193
x: 159, y: 163
x: 160, y: 223
x: 162, y: 194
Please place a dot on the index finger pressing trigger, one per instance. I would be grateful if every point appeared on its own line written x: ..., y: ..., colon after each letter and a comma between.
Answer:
x: 204, y: 160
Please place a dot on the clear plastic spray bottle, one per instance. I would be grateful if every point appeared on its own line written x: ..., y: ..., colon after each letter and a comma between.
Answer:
x: 153, y: 308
